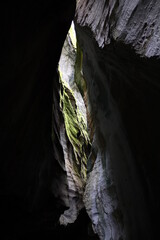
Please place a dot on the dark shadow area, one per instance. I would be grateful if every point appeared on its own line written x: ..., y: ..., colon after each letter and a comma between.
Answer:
x: 19, y: 224
x: 132, y: 83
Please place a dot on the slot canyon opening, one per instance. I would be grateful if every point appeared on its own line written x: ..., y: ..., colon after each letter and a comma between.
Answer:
x: 79, y: 143
x: 74, y: 129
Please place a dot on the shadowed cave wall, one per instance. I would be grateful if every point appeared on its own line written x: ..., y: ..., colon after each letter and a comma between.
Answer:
x: 119, y: 41
x: 32, y: 36
x: 120, y: 45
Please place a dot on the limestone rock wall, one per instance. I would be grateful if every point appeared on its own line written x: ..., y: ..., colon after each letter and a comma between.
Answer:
x: 118, y: 39
x: 73, y: 134
x: 133, y: 22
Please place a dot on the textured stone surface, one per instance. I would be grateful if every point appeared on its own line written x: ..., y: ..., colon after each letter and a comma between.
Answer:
x: 133, y: 22
x: 75, y: 186
x: 73, y: 135
x: 122, y: 189
x: 67, y: 69
x: 101, y: 201
x: 124, y: 95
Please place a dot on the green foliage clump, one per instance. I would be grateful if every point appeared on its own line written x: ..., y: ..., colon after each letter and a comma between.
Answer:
x: 76, y: 130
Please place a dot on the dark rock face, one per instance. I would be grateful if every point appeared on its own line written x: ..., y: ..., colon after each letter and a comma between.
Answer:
x: 135, y: 23
x: 122, y: 192
x: 32, y: 34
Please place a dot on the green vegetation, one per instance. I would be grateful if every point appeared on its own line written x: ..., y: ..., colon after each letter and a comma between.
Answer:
x: 76, y: 129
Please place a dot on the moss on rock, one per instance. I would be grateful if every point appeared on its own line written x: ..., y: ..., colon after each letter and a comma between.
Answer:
x: 76, y: 129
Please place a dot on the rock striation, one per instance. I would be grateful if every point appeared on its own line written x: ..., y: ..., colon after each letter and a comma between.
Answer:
x: 132, y: 22
x: 74, y: 138
x: 120, y: 45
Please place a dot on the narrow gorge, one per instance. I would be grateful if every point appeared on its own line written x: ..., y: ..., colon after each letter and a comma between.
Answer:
x: 80, y: 122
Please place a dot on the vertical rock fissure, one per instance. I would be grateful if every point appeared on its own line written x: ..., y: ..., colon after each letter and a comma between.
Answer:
x: 74, y: 135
